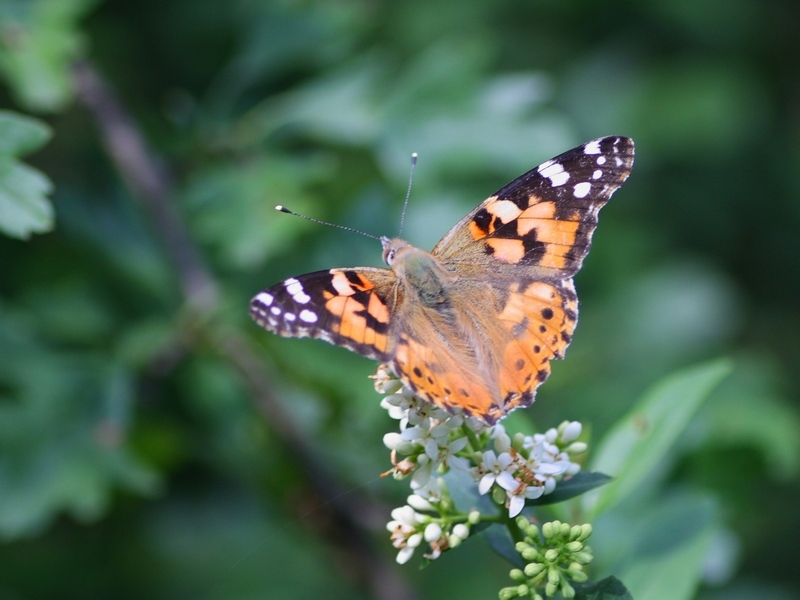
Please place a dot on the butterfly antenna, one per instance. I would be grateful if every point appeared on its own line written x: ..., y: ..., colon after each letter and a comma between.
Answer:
x: 283, y: 209
x: 408, y: 193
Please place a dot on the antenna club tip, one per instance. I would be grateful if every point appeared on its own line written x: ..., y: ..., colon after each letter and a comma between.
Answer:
x: 281, y: 208
x: 414, y: 156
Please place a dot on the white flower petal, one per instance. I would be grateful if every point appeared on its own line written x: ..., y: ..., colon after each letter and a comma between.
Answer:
x: 457, y: 445
x: 506, y: 481
x: 486, y: 483
x: 391, y: 440
x: 515, y: 506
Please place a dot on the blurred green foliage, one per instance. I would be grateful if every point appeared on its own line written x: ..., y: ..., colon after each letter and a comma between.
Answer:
x: 133, y: 458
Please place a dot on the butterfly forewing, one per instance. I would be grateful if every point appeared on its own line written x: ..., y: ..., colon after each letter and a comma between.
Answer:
x: 346, y: 307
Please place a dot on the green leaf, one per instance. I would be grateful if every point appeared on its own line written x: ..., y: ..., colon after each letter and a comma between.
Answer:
x: 572, y: 487
x: 20, y: 135
x: 635, y: 446
x: 606, y: 589
x: 24, y: 207
x: 667, y: 561
x: 40, y: 40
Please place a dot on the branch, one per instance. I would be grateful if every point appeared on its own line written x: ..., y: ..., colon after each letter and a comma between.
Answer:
x: 147, y: 182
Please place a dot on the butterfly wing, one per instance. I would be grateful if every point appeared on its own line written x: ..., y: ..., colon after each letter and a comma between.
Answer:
x: 346, y: 307
x: 515, y: 256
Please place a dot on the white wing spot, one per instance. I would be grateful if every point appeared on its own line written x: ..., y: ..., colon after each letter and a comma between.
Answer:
x: 554, y: 172
x: 582, y: 189
x: 597, y: 174
x: 265, y: 298
x: 290, y: 316
x: 619, y: 161
x: 601, y: 160
x: 293, y: 286
x: 308, y: 316
x: 275, y: 310
x: 592, y: 147
x: 302, y: 298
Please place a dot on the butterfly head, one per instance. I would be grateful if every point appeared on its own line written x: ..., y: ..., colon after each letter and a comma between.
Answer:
x: 393, y: 248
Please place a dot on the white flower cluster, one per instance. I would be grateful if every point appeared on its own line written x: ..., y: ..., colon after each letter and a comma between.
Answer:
x: 530, y: 466
x: 431, y: 441
x: 410, y: 525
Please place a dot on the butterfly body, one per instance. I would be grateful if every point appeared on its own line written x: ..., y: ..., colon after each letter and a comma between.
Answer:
x: 475, y: 322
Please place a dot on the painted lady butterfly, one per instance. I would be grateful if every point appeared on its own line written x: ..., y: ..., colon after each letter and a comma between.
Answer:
x: 474, y: 323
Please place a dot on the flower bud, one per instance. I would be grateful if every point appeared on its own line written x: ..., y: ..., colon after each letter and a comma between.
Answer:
x: 433, y: 532
x: 474, y: 517
x: 530, y: 554
x: 576, y: 448
x: 582, y: 557
x: 570, y: 432
x: 551, y: 555
x: 567, y: 591
x: 574, y: 546
x: 419, y: 503
x: 533, y: 569
x: 461, y: 531
x: 517, y: 575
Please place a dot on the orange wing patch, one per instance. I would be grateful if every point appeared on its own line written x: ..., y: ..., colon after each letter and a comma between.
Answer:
x: 446, y: 385
x: 360, y: 314
x: 541, y: 318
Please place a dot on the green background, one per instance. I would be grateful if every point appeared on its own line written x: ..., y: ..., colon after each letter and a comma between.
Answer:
x: 141, y: 454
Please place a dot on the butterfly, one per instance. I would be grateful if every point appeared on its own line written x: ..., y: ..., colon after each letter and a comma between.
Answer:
x: 474, y: 323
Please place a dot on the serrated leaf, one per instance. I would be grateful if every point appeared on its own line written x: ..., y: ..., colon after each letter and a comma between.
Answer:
x: 24, y: 206
x: 20, y: 135
x: 634, y: 447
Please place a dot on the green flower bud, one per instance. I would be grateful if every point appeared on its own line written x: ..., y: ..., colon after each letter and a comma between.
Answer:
x: 517, y: 575
x: 508, y: 593
x: 550, y: 589
x: 522, y: 546
x: 574, y: 546
x: 574, y: 532
x: 582, y: 557
x: 564, y: 529
x: 577, y: 576
x: 547, y: 529
x: 586, y: 531
x: 553, y: 575
x: 567, y: 590
x: 498, y: 495
x: 533, y: 569
x: 575, y: 567
x: 531, y: 554
x: 551, y: 555
x: 474, y: 517
x: 517, y: 441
